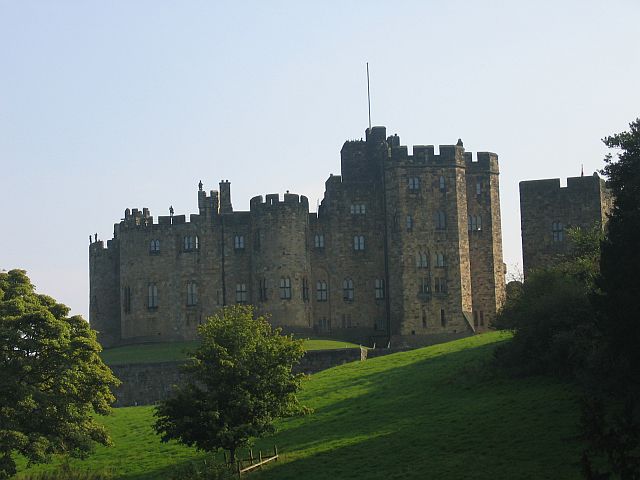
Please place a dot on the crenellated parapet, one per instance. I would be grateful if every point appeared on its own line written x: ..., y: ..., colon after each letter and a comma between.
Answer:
x: 272, y: 200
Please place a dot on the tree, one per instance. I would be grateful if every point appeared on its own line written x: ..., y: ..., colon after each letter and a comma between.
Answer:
x: 550, y: 313
x: 611, y: 418
x: 239, y: 381
x: 51, y: 377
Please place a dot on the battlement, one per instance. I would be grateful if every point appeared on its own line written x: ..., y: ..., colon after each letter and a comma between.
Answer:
x: 273, y: 200
x: 552, y: 186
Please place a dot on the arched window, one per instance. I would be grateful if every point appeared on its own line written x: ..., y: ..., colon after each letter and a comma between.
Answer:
x: 285, y: 288
x: 305, y: 289
x: 152, y: 296
x: 441, y: 260
x: 414, y: 184
x: 422, y: 260
x: 441, y: 220
x: 358, y: 242
x: 321, y: 291
x: 442, y: 184
x: 238, y: 242
x: 192, y: 294
x: 154, y: 246
x: 347, y: 290
x: 190, y: 243
x: 318, y: 240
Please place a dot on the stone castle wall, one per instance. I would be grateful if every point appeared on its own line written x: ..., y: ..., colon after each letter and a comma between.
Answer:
x: 391, y: 254
x: 547, y: 210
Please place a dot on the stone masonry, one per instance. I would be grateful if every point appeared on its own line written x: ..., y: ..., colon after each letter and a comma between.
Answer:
x: 547, y: 210
x: 403, y: 249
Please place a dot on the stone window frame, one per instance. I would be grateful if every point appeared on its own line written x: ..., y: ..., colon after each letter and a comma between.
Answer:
x: 358, y: 209
x: 285, y: 288
x: 440, y: 285
x: 379, y: 289
x: 192, y: 294
x: 152, y: 296
x: 190, y: 243
x: 440, y: 260
x: 440, y: 218
x: 557, y: 231
x: 425, y: 286
x: 305, y: 289
x: 322, y: 291
x: 318, y: 240
x: 238, y: 242
x: 154, y: 247
x: 358, y: 243
x: 126, y: 299
x: 241, y: 293
x: 262, y: 290
x: 442, y: 184
x: 475, y: 223
x: 409, y: 223
x: 422, y: 260
x: 413, y: 184
x: 347, y: 290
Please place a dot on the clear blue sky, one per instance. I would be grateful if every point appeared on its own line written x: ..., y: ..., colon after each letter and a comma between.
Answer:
x: 109, y: 105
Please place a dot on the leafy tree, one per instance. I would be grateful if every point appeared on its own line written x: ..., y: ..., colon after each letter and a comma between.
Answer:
x: 51, y: 377
x: 550, y: 313
x: 611, y: 418
x: 239, y: 382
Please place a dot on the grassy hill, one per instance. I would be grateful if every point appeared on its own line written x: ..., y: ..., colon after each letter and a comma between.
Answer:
x: 437, y: 412
x: 176, y: 351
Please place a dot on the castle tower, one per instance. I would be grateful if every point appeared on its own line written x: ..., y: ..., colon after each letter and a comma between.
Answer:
x: 280, y: 259
x: 104, y: 291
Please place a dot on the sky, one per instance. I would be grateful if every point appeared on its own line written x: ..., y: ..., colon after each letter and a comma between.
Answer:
x: 120, y: 104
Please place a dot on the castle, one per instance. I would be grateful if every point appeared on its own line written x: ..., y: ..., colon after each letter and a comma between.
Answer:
x: 404, y: 249
x: 547, y: 210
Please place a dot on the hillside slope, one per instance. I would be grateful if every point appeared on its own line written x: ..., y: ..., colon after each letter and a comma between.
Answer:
x: 437, y: 412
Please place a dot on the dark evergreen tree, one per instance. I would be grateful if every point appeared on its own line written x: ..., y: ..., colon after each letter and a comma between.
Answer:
x: 611, y: 418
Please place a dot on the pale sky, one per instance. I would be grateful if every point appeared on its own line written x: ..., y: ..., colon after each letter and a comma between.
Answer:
x: 109, y: 105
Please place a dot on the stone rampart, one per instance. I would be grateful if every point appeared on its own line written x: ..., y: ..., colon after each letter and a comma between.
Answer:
x: 147, y: 383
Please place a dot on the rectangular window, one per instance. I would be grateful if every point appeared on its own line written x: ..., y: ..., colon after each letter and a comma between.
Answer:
x: 318, y: 240
x: 425, y: 286
x: 409, y: 222
x: 478, y: 187
x: 305, y: 289
x: 475, y: 223
x: 357, y: 209
x: 152, y: 296
x: 441, y: 220
x: 154, y: 247
x: 379, y: 288
x: 126, y: 299
x: 192, y: 294
x: 241, y: 293
x: 440, y: 285
x: 321, y: 291
x: 263, y: 290
x: 285, y: 288
x: 441, y: 260
x: 347, y: 290
x: 557, y: 232
x: 190, y: 243
x: 414, y: 184
x: 358, y: 242
x: 238, y: 242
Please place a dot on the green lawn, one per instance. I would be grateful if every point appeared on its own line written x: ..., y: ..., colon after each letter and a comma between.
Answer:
x: 439, y: 412
x: 175, y: 351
